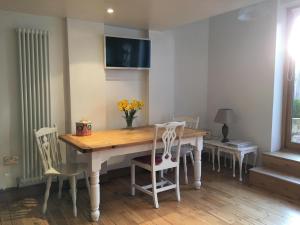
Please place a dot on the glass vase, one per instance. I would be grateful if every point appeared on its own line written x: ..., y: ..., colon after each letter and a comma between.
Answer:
x: 129, y: 121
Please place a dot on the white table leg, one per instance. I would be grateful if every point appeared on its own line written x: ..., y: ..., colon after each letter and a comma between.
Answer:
x: 95, y: 196
x: 218, y: 155
x: 213, y: 157
x: 197, y: 165
x: 241, y: 158
x: 233, y: 165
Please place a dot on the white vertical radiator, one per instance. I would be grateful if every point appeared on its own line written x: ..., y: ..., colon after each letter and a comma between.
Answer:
x: 33, y: 46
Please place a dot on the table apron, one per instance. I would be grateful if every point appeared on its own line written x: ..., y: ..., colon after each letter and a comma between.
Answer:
x: 228, y: 150
x: 96, y: 158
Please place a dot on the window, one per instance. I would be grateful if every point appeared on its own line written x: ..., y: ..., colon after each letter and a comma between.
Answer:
x: 292, y: 79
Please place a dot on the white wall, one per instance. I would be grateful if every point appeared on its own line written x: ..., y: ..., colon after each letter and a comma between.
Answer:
x: 196, y: 69
x: 161, y: 77
x: 241, y: 66
x: 124, y: 83
x: 191, y: 70
x: 86, y: 73
x: 94, y: 91
x: 120, y: 84
x: 10, y: 115
x: 241, y: 53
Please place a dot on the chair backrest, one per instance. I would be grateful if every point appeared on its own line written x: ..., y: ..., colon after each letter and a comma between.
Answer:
x: 170, y: 134
x: 48, y: 145
x: 191, y: 122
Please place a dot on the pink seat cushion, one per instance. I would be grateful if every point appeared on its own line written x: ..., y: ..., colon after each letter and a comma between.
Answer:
x: 147, y: 159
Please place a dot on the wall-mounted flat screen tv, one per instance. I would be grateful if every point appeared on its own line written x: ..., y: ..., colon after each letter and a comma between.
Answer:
x: 126, y: 53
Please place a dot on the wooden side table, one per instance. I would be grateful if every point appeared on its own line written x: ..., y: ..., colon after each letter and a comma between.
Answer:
x: 236, y: 152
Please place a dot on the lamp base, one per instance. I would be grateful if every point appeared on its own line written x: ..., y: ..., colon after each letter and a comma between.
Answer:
x: 224, y: 140
x: 225, y: 133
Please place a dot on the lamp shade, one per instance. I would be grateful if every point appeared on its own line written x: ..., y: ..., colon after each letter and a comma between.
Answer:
x: 224, y: 116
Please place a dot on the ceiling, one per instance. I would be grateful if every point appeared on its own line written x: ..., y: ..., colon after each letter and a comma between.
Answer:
x: 146, y: 14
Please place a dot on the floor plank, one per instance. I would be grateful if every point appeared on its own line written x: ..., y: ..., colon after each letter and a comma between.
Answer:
x: 222, y: 200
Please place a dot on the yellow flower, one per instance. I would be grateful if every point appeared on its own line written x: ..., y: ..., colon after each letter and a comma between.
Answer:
x: 126, y: 105
x: 140, y: 104
x: 135, y: 104
x: 123, y: 104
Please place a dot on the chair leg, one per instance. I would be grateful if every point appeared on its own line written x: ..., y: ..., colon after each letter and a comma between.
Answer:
x: 161, y: 177
x: 177, y: 184
x: 246, y: 164
x: 60, y: 184
x: 48, y: 186
x: 213, y: 155
x: 155, y: 200
x: 70, y: 190
x: 192, y: 158
x: 87, y: 182
x: 73, y: 194
x: 132, y: 179
x: 186, y: 181
x: 233, y: 166
x: 219, y: 163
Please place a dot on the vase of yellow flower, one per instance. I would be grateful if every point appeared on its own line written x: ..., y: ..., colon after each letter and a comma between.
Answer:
x: 130, y: 108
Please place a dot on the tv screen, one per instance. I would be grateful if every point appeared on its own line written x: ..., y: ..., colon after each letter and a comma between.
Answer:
x: 127, y: 53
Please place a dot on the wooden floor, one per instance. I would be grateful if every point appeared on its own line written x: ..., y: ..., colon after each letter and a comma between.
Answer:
x: 221, y: 200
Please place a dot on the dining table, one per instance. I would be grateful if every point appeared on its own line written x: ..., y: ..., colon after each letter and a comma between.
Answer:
x: 100, y: 146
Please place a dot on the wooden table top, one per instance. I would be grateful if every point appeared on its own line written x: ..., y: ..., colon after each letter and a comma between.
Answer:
x: 109, y: 139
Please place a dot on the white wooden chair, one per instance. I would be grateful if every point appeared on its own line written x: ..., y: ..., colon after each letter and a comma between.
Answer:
x: 170, y: 134
x: 49, y: 149
x: 187, y: 150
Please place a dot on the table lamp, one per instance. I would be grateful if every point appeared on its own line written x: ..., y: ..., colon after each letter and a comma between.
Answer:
x: 224, y: 116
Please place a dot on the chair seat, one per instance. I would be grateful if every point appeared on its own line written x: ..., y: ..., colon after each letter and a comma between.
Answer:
x: 69, y: 169
x: 147, y: 159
